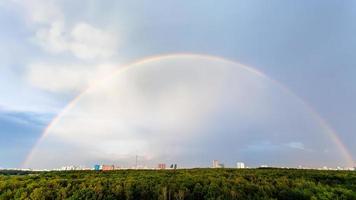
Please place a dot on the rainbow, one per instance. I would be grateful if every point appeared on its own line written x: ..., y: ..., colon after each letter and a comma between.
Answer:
x: 327, y: 128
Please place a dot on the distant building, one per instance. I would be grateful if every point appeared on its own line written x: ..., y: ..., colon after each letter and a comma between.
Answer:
x: 173, y: 166
x: 107, y: 167
x: 215, y: 164
x: 161, y: 166
x: 240, y: 165
x: 97, y: 167
x: 70, y: 168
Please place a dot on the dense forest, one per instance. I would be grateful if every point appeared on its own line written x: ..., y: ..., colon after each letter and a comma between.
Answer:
x: 180, y: 184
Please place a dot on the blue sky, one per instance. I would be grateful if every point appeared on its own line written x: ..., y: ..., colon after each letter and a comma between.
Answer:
x: 51, y: 50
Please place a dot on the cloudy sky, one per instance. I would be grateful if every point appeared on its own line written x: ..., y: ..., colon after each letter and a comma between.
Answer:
x: 52, y: 50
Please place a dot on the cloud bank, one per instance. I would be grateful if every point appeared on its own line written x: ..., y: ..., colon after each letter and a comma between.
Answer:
x: 56, y: 35
x: 85, y: 49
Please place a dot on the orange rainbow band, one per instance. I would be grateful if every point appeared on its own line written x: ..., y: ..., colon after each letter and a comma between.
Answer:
x: 328, y: 130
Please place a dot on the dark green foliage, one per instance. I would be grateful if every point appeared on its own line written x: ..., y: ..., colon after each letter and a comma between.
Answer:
x: 180, y: 184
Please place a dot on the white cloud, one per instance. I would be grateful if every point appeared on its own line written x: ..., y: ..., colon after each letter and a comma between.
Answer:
x: 66, y: 78
x: 41, y: 11
x: 52, y: 38
x: 89, y: 42
x: 83, y: 40
x: 55, y: 35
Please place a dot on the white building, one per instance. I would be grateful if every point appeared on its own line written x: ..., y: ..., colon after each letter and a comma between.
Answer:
x: 240, y: 165
x: 215, y: 164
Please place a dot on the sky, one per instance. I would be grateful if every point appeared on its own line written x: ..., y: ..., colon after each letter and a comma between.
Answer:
x: 51, y: 51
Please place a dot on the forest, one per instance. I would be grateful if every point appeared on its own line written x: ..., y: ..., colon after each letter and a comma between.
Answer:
x: 179, y: 184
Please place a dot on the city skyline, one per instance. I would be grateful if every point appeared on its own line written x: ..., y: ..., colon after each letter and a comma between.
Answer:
x: 216, y: 164
x: 186, y: 83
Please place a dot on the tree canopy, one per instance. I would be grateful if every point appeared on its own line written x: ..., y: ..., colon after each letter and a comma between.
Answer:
x: 180, y: 184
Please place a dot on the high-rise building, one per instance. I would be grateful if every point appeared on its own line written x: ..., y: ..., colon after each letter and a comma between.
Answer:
x: 107, y: 167
x: 161, y: 166
x: 97, y: 167
x: 215, y: 164
x: 240, y: 165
